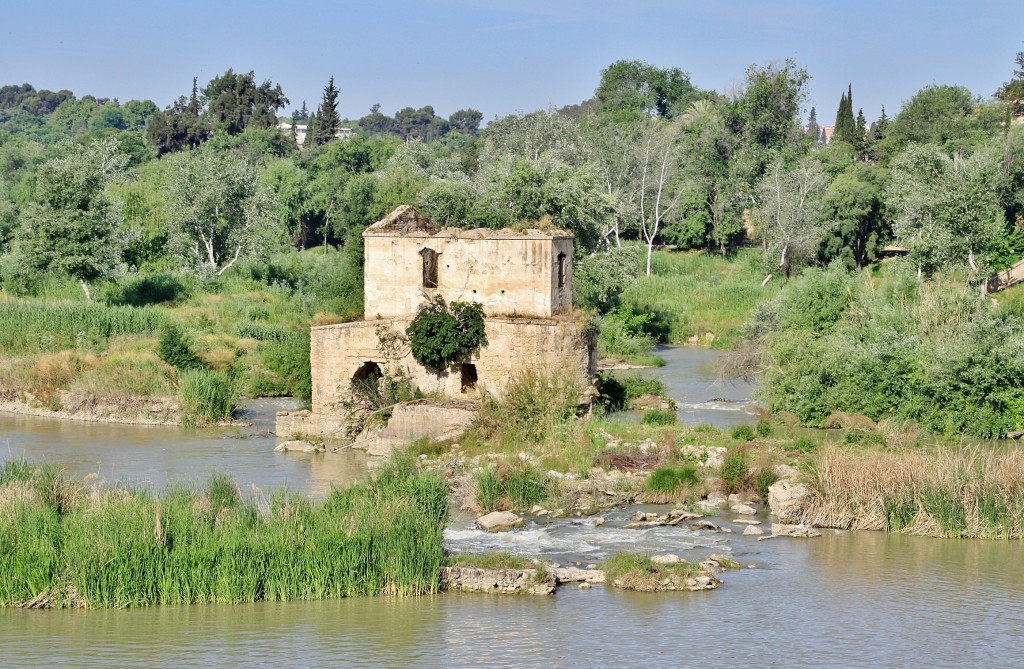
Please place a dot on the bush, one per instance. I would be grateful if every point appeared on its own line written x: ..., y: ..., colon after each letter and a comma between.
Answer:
x: 734, y: 471
x: 599, y: 279
x: 206, y: 397
x: 660, y: 417
x: 533, y: 406
x: 442, y: 334
x: 176, y: 350
x: 617, y: 393
x: 289, y: 360
x: 763, y: 479
x: 930, y: 352
x: 142, y: 290
x: 743, y: 433
x: 667, y: 479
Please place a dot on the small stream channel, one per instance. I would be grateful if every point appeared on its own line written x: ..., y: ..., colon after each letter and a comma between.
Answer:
x: 845, y: 599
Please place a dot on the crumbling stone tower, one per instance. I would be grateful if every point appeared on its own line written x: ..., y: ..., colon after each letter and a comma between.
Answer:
x: 522, y: 280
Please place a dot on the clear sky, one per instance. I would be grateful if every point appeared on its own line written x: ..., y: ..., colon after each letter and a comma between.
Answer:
x: 504, y: 56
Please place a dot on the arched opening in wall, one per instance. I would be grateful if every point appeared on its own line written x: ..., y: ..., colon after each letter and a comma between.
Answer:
x: 561, y: 270
x: 429, y: 267
x: 467, y: 374
x: 366, y: 381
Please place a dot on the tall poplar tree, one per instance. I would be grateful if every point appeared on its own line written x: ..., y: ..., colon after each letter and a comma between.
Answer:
x: 324, y: 126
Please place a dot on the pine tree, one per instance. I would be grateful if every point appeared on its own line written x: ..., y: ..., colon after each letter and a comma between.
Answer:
x: 325, y: 126
x: 861, y: 143
x: 812, y: 125
x: 879, y: 130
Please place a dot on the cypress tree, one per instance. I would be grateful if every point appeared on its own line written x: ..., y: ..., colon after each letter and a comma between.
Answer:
x: 324, y: 127
x: 846, y: 129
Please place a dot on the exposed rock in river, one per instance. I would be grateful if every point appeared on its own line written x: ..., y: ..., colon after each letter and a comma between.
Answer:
x: 499, y: 521
x: 787, y: 500
x: 507, y: 581
x: 297, y: 446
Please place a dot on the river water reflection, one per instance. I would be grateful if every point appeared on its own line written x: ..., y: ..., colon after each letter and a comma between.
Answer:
x: 845, y: 599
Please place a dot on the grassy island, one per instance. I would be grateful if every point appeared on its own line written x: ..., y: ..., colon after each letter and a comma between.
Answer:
x: 67, y: 545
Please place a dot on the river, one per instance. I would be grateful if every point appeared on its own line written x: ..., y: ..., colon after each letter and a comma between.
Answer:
x: 845, y: 599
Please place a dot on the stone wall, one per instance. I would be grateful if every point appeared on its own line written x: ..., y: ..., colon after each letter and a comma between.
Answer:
x: 347, y: 351
x: 509, y: 273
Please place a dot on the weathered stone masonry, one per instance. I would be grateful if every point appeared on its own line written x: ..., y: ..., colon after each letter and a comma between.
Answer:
x: 523, y: 281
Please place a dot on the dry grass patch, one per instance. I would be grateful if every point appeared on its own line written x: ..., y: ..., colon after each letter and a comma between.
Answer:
x: 949, y: 491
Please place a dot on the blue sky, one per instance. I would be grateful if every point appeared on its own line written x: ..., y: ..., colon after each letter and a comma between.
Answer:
x: 503, y: 57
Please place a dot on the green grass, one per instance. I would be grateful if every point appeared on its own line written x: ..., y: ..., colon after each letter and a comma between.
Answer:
x: 700, y: 292
x: 659, y: 417
x: 488, y: 489
x: 206, y: 397
x: 633, y: 571
x: 124, y: 548
x: 668, y: 479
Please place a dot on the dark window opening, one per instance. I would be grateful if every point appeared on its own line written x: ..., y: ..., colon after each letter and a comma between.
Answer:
x: 429, y: 267
x: 561, y: 271
x: 368, y: 373
x: 468, y: 374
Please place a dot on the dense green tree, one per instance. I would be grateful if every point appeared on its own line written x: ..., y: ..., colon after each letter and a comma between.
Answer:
x: 28, y: 99
x: 466, y: 121
x: 302, y: 114
x: 323, y: 127
x: 853, y: 206
x: 629, y: 88
x: 1012, y: 92
x: 180, y: 126
x: 766, y: 120
x: 220, y: 211
x: 376, y: 123
x: 422, y: 124
x: 73, y: 227
x: 946, y: 210
x: 943, y: 115
x: 235, y: 102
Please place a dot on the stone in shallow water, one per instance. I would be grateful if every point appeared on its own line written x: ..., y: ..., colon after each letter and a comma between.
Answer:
x: 670, y: 558
x: 499, y: 521
x: 296, y: 446
x: 780, y: 530
x: 752, y: 531
x: 744, y: 509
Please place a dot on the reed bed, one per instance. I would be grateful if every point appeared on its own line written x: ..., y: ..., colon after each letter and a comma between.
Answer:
x: 31, y: 325
x: 64, y: 545
x: 950, y: 492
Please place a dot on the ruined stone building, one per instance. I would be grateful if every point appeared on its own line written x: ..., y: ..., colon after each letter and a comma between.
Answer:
x: 522, y: 280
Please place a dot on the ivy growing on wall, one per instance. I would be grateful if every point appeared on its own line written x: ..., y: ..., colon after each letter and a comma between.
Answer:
x: 442, y: 333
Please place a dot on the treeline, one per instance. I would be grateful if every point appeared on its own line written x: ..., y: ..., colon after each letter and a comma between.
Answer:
x: 92, y: 187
